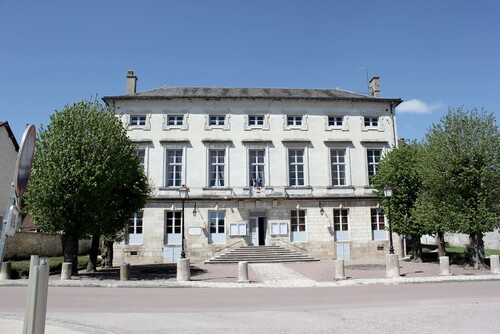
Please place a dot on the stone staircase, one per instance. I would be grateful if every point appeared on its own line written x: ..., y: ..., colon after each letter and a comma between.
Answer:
x: 260, y: 254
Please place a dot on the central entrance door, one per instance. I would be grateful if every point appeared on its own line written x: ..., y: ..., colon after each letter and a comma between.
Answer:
x: 258, y: 228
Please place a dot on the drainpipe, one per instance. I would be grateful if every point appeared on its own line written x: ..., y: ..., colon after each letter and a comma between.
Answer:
x: 391, y: 108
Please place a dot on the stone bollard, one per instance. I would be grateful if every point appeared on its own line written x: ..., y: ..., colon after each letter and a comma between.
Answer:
x: 391, y: 266
x: 5, y: 271
x: 125, y: 272
x: 183, y: 270
x: 243, y: 272
x: 444, y: 266
x: 495, y: 264
x: 66, y: 270
x: 339, y: 270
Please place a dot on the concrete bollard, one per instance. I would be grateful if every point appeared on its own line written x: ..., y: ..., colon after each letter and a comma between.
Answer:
x: 243, y: 272
x: 6, y: 270
x: 183, y: 270
x: 495, y: 264
x: 391, y: 266
x: 66, y: 270
x: 124, y: 271
x: 339, y: 270
x: 444, y: 266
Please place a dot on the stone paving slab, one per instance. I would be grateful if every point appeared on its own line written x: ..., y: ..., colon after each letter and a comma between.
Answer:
x: 279, y: 273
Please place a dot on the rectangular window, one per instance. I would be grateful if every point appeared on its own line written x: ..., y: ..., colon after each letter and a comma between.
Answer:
x: 254, y: 120
x: 338, y: 161
x: 373, y: 157
x: 294, y: 120
x: 296, y: 167
x: 173, y: 120
x: 217, y: 221
x: 138, y: 120
x: 371, y: 121
x: 217, y: 163
x: 378, y: 219
x: 174, y: 168
x: 135, y: 236
x: 257, y: 168
x: 217, y: 225
x: 141, y: 155
x: 298, y: 220
x: 335, y: 120
x: 135, y: 223
x: 378, y: 224
x: 215, y: 120
x: 340, y: 220
x: 173, y: 222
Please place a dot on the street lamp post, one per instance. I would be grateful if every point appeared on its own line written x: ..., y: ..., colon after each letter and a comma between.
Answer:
x: 388, y: 194
x: 183, y: 191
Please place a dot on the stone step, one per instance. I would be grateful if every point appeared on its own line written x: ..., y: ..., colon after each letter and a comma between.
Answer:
x: 261, y: 254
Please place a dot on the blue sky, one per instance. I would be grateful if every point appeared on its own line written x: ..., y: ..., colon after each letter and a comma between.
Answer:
x: 432, y: 54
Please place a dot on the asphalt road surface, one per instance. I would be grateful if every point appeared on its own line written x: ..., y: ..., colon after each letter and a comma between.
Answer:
x: 472, y: 307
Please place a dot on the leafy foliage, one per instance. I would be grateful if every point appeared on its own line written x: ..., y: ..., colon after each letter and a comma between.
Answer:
x: 399, y: 169
x: 460, y: 169
x: 85, y: 178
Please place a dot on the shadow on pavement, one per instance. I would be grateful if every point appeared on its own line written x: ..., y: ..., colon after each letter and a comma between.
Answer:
x: 145, y: 272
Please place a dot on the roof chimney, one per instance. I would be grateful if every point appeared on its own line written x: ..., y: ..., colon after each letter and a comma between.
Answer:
x: 131, y: 82
x: 375, y: 87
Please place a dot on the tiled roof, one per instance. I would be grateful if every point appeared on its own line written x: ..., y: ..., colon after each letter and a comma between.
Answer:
x: 248, y: 93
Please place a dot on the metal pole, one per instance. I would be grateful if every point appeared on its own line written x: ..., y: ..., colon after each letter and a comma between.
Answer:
x: 183, y: 253
x: 391, y: 246
x: 3, y: 237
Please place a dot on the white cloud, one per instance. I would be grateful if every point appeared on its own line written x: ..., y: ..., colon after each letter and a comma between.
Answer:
x: 416, y: 106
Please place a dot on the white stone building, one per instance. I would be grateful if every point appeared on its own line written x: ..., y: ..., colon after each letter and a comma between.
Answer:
x: 264, y: 166
x: 8, y: 155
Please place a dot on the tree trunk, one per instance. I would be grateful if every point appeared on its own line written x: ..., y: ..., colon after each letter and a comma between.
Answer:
x: 94, y: 251
x: 416, y: 248
x: 109, y: 253
x: 440, y: 243
x: 70, y: 251
x: 476, y: 250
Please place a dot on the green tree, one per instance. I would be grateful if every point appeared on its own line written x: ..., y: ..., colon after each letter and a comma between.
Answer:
x: 399, y: 169
x: 461, y: 175
x: 86, y: 179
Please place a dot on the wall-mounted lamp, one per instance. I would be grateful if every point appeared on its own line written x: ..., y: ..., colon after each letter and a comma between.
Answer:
x: 194, y: 210
x: 321, y: 210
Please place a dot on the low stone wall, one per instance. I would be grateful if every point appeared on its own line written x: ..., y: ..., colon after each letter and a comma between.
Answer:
x: 491, y: 239
x: 25, y: 244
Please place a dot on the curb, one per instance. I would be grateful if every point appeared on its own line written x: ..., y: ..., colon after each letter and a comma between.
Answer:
x: 235, y: 285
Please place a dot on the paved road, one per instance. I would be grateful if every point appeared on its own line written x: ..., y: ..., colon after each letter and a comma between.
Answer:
x: 470, y: 307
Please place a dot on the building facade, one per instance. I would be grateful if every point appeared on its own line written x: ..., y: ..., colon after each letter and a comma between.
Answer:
x: 8, y: 155
x: 264, y: 166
